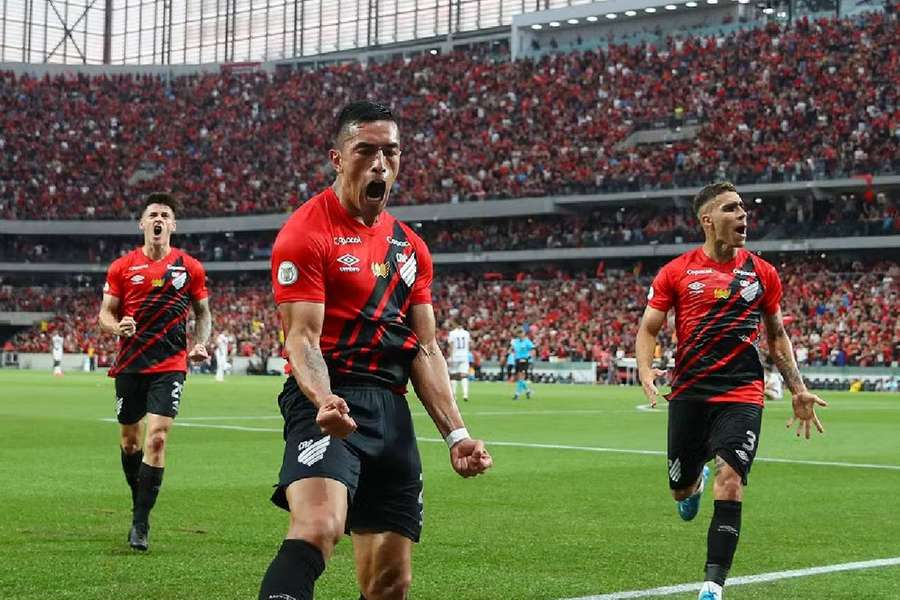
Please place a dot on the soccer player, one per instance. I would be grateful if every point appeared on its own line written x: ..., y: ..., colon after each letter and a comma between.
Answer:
x: 57, y: 343
x: 223, y: 342
x: 145, y: 302
x: 353, y: 288
x: 459, y: 340
x: 720, y: 293
x: 523, y: 351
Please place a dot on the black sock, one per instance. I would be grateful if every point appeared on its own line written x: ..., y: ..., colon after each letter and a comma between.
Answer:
x: 293, y: 571
x: 131, y: 463
x: 149, y: 482
x: 722, y: 539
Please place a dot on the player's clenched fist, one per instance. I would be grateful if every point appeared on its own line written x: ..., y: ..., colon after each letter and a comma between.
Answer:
x: 198, y: 353
x: 127, y: 327
x: 469, y: 458
x: 334, y: 417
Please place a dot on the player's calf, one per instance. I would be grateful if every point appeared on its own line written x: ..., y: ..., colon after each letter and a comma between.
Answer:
x: 389, y: 584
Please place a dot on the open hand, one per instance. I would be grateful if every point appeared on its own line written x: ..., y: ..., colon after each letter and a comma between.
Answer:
x: 648, y: 383
x: 805, y: 412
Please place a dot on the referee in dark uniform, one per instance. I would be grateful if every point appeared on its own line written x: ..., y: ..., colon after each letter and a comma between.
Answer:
x: 352, y: 286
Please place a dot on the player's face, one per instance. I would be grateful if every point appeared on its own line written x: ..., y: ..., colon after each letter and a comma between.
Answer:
x: 728, y: 219
x: 367, y: 162
x: 158, y: 224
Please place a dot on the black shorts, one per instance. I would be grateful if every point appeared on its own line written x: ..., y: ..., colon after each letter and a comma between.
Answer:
x: 700, y: 430
x: 522, y: 365
x: 379, y: 462
x: 140, y: 393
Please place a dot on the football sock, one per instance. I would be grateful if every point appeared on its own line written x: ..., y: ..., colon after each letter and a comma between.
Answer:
x: 520, y: 386
x: 465, y: 386
x: 722, y: 539
x: 149, y: 482
x: 131, y: 463
x: 293, y: 571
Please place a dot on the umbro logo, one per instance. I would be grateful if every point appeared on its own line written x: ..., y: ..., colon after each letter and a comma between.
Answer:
x: 349, y: 263
x: 312, y: 452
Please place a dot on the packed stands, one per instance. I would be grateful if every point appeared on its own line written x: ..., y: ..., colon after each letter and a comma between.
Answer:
x: 840, y: 312
x: 843, y: 216
x: 817, y: 100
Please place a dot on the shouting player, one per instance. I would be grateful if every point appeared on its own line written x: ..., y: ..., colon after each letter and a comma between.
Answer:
x: 353, y: 288
x: 145, y: 302
x: 720, y: 293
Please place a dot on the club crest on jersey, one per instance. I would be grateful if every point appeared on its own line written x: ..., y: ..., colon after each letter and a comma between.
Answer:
x: 179, y: 280
x: 721, y: 294
x: 287, y: 273
x: 157, y: 282
x: 407, y: 269
x: 750, y: 292
x: 380, y: 269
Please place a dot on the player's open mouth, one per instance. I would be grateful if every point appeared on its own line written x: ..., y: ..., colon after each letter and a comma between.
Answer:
x: 741, y: 230
x: 375, y: 191
x: 157, y: 229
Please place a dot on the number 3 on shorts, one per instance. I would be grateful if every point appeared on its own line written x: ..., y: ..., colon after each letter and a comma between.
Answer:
x: 176, y: 389
x: 751, y: 441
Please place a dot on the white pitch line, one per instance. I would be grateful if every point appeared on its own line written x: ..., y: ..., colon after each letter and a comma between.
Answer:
x: 820, y: 463
x: 747, y: 579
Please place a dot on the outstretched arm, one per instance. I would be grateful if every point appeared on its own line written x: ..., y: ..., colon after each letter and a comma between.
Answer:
x: 432, y: 384
x: 782, y: 352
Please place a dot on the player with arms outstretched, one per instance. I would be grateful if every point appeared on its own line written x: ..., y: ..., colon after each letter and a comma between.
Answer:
x: 720, y: 293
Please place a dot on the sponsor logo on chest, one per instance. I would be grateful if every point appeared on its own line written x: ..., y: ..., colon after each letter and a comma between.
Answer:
x: 348, y: 263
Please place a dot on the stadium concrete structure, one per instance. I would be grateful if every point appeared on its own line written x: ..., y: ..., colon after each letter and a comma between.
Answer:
x: 420, y: 28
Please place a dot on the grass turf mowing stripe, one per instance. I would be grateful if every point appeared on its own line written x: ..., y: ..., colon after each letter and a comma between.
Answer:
x: 820, y: 463
x: 747, y: 579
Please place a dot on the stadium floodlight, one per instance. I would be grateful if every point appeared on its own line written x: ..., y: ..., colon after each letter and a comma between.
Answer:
x: 537, y: 26
x: 592, y: 19
x: 554, y: 23
x: 712, y: 1
x: 433, y: 51
x: 650, y: 10
x: 781, y: 14
x: 768, y: 10
x: 611, y: 16
x: 671, y: 7
x: 743, y: 1
x: 630, y: 13
x: 691, y: 4
x: 758, y: 200
x: 572, y: 21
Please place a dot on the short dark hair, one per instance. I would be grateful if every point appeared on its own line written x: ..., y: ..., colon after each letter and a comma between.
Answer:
x: 161, y: 198
x: 710, y: 192
x: 361, y: 112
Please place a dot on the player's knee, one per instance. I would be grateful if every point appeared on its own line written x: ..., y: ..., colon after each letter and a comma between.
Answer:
x: 389, y: 584
x: 156, y: 441
x: 322, y: 530
x: 729, y: 485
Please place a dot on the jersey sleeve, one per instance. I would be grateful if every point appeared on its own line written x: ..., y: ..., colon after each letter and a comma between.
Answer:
x: 298, y: 267
x: 421, y: 291
x: 773, y: 290
x: 661, y: 294
x: 198, y: 281
x: 113, y: 285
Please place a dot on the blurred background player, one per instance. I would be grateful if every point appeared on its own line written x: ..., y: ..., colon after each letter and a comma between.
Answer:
x: 224, y: 346
x: 145, y: 302
x: 774, y: 384
x: 57, y: 348
x: 459, y: 343
x: 523, y: 352
x: 720, y: 293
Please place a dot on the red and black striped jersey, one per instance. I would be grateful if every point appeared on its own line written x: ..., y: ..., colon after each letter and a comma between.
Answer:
x: 718, y: 309
x: 157, y: 295
x: 367, y: 278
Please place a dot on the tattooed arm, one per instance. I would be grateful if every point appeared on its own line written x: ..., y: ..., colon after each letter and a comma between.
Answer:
x: 432, y: 384
x: 202, y: 327
x: 782, y: 352
x: 302, y: 322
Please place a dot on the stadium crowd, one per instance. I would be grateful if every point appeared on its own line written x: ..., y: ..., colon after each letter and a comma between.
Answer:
x: 838, y: 313
x: 813, y: 100
x: 842, y: 216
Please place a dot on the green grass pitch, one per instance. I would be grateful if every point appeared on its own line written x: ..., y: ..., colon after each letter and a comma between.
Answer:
x: 546, y: 523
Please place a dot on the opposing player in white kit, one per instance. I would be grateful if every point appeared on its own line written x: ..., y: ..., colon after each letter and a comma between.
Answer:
x: 458, y: 342
x: 57, y: 342
x: 223, y: 340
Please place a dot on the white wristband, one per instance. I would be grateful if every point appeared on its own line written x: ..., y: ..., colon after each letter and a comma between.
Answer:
x: 456, y: 436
